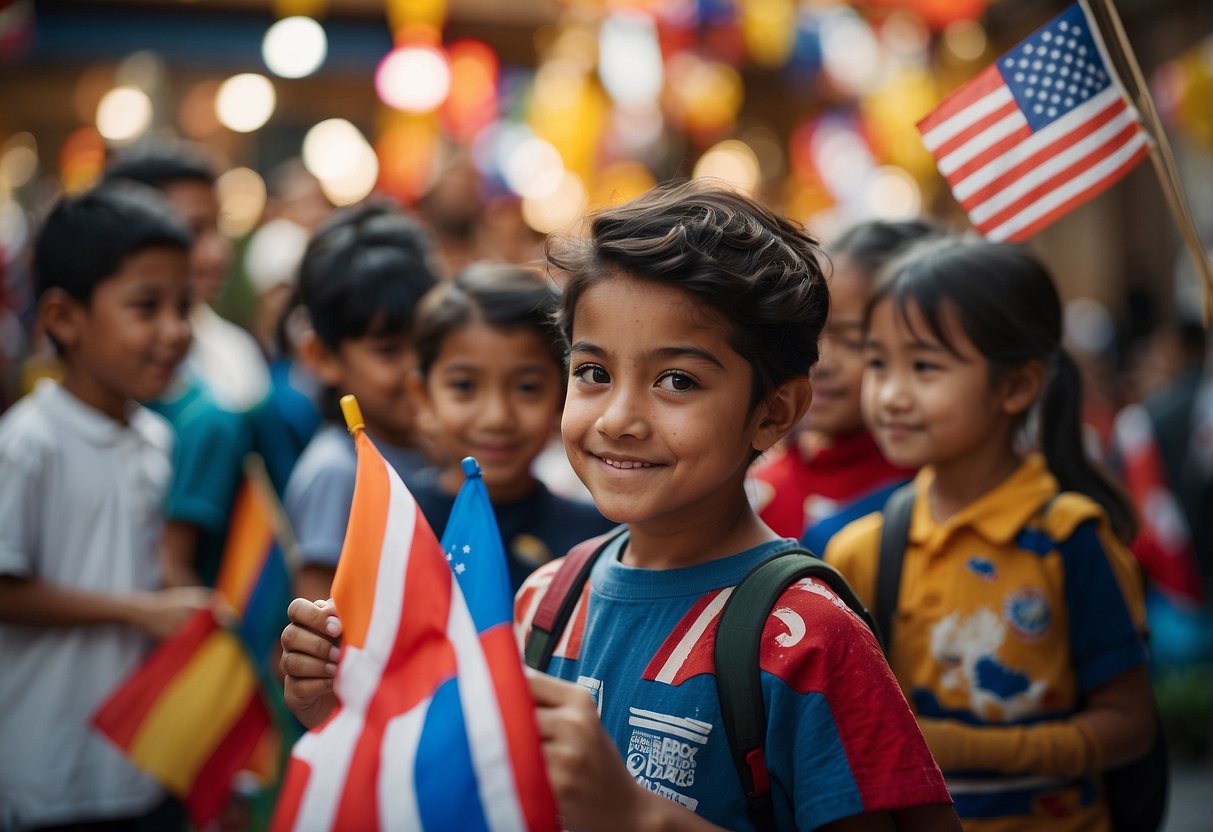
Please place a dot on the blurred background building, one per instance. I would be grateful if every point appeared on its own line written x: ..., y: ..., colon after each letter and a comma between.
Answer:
x: 502, y: 121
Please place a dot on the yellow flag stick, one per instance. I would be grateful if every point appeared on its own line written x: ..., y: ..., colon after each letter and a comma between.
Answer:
x: 352, y: 413
x: 1121, y: 51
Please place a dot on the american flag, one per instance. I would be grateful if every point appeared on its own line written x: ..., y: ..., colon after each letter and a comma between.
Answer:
x: 1036, y: 134
x: 435, y: 727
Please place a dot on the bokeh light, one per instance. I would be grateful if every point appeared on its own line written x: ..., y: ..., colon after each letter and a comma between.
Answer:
x: 81, y: 159
x: 629, y: 61
x: 966, y: 39
x: 241, y: 193
x: 245, y: 102
x: 124, y: 114
x: 730, y: 161
x: 337, y: 154
x: 851, y: 54
x: 892, y: 194
x: 557, y: 210
x: 18, y: 160
x: 414, y: 78
x: 196, y: 112
x: 533, y: 168
x: 294, y: 47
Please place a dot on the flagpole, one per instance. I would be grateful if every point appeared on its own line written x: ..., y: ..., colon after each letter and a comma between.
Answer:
x: 353, y: 414
x: 1117, y: 42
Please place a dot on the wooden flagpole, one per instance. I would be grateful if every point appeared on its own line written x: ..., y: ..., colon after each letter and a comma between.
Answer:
x: 1115, y: 40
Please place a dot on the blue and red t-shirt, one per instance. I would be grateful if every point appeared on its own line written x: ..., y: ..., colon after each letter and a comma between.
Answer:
x: 841, y: 740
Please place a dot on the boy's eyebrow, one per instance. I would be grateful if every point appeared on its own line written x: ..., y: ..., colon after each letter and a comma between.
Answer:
x: 664, y: 353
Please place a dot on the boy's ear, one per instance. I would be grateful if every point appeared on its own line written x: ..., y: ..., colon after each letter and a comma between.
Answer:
x: 1020, y: 387
x: 423, y: 418
x: 781, y: 411
x: 61, y: 317
x: 319, y: 359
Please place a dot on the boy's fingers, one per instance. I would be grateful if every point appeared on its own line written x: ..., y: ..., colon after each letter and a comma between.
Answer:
x: 314, y: 617
x: 548, y: 691
x: 302, y: 666
x: 296, y: 639
x: 304, y: 691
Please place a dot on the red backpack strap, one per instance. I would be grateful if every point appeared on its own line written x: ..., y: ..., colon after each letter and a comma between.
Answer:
x: 560, y: 598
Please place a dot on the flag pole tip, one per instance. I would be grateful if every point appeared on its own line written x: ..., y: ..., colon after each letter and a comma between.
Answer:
x: 352, y: 413
x: 471, y: 468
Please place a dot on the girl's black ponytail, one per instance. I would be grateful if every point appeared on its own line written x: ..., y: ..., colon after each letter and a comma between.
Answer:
x: 1062, y: 443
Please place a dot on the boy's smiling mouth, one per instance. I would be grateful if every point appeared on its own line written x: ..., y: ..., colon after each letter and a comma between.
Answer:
x: 624, y: 464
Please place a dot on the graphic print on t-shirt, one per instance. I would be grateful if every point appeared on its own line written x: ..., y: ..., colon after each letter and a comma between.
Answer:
x: 662, y: 752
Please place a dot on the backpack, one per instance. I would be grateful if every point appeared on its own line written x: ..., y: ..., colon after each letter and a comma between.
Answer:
x: 1136, y: 792
x: 738, y: 635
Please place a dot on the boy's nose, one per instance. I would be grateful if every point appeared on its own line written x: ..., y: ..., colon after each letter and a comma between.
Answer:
x: 622, y: 416
x: 497, y: 410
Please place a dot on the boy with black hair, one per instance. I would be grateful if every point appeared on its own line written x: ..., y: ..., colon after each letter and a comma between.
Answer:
x: 85, y: 471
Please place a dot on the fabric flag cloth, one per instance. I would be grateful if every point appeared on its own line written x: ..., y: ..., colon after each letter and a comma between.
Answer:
x: 435, y: 726
x: 1164, y: 546
x: 199, y: 710
x: 1039, y: 132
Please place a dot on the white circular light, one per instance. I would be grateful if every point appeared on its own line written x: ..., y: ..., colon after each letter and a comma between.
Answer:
x: 123, y: 114
x: 415, y: 79
x: 629, y: 58
x: 558, y: 209
x: 733, y: 162
x: 892, y: 194
x: 294, y: 47
x: 534, y: 168
x: 242, y: 195
x: 330, y: 147
x: 245, y: 102
x: 357, y: 183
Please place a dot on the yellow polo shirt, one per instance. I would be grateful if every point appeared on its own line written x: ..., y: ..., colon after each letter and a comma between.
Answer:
x: 1007, y: 615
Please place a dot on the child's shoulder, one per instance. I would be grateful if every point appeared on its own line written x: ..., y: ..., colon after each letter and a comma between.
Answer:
x: 26, y: 433
x: 1066, y: 512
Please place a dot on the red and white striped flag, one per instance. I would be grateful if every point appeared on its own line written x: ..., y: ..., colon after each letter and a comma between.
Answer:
x: 435, y: 727
x: 1039, y: 132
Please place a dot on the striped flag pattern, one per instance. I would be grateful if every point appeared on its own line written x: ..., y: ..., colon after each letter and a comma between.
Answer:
x: 199, y: 710
x: 435, y: 726
x: 1039, y: 132
x: 1164, y: 545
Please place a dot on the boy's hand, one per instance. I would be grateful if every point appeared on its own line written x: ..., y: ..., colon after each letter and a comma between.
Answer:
x: 160, y: 614
x: 592, y: 787
x: 309, y: 659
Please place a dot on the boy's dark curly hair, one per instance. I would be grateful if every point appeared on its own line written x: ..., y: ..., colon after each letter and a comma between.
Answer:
x: 760, y: 272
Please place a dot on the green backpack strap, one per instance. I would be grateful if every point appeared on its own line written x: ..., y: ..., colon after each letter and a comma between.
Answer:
x: 894, y: 535
x: 738, y: 675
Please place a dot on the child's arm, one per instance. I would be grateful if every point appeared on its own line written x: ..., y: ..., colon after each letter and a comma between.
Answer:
x: 178, y: 549
x: 309, y: 659
x: 37, y: 603
x: 1116, y: 726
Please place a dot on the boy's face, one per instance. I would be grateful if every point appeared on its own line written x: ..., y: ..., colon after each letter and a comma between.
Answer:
x: 494, y: 394
x: 838, y: 374
x: 127, y: 341
x: 657, y: 422
x: 211, y: 254
x: 375, y: 369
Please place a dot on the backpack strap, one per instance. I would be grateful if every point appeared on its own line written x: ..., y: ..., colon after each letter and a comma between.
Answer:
x: 738, y: 674
x: 894, y: 535
x: 560, y: 599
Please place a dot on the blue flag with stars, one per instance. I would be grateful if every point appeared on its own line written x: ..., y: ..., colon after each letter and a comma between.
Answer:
x: 474, y: 551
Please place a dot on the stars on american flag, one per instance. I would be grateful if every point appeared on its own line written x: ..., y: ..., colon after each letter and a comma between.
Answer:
x: 1054, y: 71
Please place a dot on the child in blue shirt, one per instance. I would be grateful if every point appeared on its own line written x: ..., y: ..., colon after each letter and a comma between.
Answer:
x: 693, y: 316
x: 360, y: 281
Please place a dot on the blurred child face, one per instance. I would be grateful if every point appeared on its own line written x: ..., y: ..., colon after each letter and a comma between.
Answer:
x: 211, y: 254
x: 838, y: 374
x: 923, y: 403
x: 375, y: 369
x: 127, y: 341
x: 494, y: 393
x: 657, y: 422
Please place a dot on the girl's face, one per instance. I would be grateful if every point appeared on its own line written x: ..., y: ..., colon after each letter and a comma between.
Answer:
x: 657, y: 422
x: 923, y: 403
x: 838, y: 374
x: 494, y: 393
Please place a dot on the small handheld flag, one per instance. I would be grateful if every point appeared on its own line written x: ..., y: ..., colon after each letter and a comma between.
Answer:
x: 435, y: 727
x: 1039, y: 132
